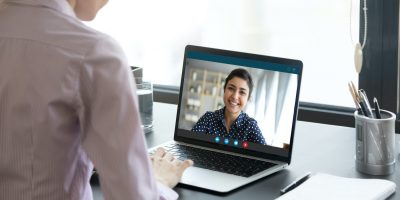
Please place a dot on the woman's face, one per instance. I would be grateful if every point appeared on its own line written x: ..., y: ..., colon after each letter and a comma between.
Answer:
x: 236, y: 94
x: 86, y: 10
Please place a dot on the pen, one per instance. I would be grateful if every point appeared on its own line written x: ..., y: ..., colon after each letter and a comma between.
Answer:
x: 377, y: 109
x: 363, y: 109
x: 365, y: 103
x: 296, y: 183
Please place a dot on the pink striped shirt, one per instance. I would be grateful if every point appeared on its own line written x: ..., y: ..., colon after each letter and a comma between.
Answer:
x: 67, y: 99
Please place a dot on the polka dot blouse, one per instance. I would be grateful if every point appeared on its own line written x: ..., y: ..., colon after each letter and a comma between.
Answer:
x: 244, y: 128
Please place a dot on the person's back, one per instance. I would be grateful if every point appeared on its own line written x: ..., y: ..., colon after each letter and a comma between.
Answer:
x: 41, y: 51
x: 66, y: 95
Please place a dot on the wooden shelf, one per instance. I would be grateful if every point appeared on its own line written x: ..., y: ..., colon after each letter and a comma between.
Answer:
x: 204, y: 93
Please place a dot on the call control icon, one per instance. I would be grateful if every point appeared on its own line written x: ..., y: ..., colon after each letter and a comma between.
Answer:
x: 226, y: 141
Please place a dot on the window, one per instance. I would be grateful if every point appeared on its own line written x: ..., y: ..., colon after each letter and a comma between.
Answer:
x: 153, y: 34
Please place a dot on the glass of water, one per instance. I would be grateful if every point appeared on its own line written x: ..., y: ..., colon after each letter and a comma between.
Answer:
x: 145, y: 96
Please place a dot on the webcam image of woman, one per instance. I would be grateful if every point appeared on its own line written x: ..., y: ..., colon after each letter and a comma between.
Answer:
x: 230, y: 121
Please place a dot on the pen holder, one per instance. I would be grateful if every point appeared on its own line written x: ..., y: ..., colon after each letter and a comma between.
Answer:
x: 375, y: 143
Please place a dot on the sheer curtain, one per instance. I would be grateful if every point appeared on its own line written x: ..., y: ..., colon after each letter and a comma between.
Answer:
x: 272, y: 105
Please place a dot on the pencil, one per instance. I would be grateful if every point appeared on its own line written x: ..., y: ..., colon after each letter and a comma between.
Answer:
x: 354, y: 96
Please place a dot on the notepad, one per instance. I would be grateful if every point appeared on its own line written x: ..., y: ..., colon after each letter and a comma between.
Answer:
x: 326, y: 186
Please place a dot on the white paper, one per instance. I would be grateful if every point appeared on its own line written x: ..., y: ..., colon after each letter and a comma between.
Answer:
x: 327, y: 187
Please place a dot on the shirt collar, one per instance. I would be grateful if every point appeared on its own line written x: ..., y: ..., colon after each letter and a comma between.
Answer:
x: 238, y: 121
x: 58, y: 5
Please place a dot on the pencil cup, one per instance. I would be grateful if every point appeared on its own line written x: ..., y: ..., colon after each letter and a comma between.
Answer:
x: 375, y: 143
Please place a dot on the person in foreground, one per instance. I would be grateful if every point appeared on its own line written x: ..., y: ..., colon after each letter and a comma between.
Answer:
x: 67, y: 100
x: 230, y: 121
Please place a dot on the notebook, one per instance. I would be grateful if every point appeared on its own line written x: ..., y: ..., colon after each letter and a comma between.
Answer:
x: 236, y: 116
x: 327, y: 186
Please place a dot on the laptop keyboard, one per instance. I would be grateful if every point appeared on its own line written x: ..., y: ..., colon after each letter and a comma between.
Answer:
x: 219, y: 161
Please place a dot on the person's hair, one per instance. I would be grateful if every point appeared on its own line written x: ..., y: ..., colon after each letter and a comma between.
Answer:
x: 2, y: 3
x: 243, y: 74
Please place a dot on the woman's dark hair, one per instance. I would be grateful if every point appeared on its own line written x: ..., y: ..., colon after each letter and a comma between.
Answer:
x: 243, y: 74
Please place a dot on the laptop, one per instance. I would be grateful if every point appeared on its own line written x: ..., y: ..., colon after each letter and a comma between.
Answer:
x: 234, y: 137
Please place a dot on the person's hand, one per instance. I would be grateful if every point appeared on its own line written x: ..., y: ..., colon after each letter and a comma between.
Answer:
x: 167, y: 169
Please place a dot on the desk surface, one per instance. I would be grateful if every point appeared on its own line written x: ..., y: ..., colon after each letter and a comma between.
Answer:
x: 333, y: 152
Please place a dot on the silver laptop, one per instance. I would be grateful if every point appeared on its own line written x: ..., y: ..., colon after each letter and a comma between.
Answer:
x: 232, y: 136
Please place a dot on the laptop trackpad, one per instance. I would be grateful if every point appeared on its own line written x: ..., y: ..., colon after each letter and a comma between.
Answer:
x: 213, y: 180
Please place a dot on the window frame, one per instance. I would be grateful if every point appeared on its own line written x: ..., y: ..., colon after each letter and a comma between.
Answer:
x: 380, y: 75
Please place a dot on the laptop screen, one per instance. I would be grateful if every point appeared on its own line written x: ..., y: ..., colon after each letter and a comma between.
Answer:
x: 238, y: 102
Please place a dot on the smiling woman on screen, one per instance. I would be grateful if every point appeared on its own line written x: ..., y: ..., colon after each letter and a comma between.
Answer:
x: 230, y: 121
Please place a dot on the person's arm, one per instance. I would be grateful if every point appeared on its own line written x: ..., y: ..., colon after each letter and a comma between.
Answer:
x: 257, y: 136
x: 110, y: 126
x: 260, y: 136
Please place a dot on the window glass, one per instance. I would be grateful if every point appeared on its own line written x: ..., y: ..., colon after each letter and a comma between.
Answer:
x: 154, y: 33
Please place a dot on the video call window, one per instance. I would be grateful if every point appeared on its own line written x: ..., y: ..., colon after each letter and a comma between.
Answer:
x: 266, y: 115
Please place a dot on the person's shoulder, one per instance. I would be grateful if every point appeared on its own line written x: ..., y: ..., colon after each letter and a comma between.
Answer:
x: 249, y: 119
x: 91, y: 43
x: 87, y: 39
x: 75, y: 35
x: 52, y: 28
x: 209, y: 114
x: 219, y: 113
